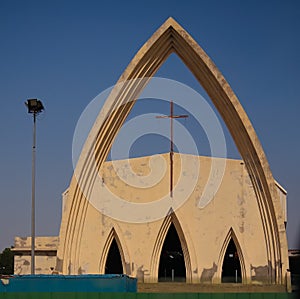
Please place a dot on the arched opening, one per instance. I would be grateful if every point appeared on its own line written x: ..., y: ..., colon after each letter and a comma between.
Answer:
x: 113, y: 263
x: 231, y: 269
x: 171, y: 263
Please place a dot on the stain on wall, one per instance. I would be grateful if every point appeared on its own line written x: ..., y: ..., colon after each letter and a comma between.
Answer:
x: 128, y: 268
x: 140, y: 274
x: 59, y: 263
x: 26, y: 263
x: 207, y: 274
x: 261, y: 273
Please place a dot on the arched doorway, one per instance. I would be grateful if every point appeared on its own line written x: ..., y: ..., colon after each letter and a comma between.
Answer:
x: 171, y: 263
x: 231, y: 269
x: 113, y: 263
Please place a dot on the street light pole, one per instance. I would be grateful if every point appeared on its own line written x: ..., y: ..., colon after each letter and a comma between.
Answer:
x: 33, y: 197
x: 35, y: 107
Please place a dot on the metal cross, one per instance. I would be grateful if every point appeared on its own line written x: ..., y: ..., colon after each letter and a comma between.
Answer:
x: 172, y: 116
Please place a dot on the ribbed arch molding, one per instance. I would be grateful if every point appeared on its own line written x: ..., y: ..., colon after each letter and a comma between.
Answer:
x: 112, y: 236
x: 231, y: 235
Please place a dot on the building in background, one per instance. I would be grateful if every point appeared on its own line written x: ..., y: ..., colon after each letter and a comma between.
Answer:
x: 45, y: 255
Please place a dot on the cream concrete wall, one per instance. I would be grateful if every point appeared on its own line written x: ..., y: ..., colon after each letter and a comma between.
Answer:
x: 45, y: 255
x: 41, y: 243
x: 204, y: 232
x: 43, y: 264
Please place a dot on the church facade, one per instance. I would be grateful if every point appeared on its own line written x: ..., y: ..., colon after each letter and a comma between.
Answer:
x: 235, y: 233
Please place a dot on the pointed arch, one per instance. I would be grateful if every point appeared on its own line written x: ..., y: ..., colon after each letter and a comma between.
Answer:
x: 111, y: 237
x: 172, y: 38
x: 155, y: 258
x: 113, y: 264
x: 231, y: 236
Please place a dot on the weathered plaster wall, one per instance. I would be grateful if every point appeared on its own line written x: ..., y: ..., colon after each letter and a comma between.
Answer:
x: 43, y: 264
x: 233, y: 211
x: 45, y: 255
x: 41, y: 243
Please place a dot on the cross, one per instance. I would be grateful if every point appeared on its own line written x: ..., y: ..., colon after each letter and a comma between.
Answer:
x: 172, y: 116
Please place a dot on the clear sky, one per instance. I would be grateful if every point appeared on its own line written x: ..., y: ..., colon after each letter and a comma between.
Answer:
x: 67, y: 52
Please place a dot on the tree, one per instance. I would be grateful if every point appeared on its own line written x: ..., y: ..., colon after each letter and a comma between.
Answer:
x: 7, y: 262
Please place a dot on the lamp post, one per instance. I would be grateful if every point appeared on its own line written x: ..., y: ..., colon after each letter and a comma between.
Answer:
x: 34, y: 107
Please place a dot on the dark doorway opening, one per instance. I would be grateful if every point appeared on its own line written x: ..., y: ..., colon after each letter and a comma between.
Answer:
x: 231, y: 270
x: 113, y: 262
x: 171, y: 263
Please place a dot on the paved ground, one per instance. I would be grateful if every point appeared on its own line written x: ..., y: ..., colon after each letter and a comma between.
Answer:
x: 174, y: 287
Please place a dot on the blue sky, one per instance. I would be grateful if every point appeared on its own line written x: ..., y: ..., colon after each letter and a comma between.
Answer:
x: 67, y: 52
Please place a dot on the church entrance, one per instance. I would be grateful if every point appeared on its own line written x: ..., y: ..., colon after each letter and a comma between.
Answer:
x: 231, y: 270
x: 171, y: 263
x: 114, y: 262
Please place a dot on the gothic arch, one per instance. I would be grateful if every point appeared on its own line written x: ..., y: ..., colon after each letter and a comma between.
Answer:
x: 112, y: 236
x: 154, y: 264
x: 231, y: 235
x: 172, y: 38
